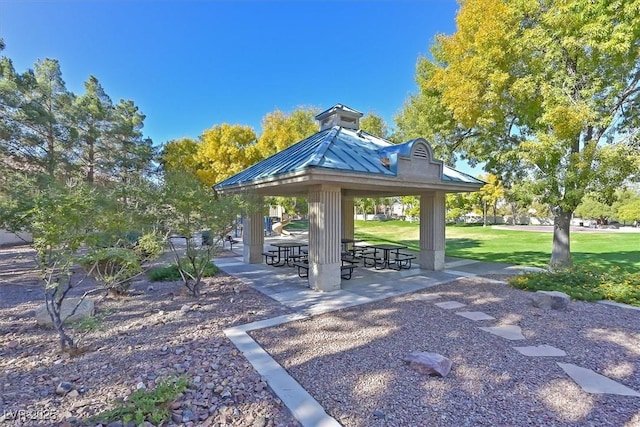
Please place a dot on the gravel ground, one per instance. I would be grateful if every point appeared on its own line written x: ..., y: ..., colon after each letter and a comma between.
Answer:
x: 351, y: 361
x: 154, y: 333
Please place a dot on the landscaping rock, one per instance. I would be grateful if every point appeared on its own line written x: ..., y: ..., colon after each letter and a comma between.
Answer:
x: 429, y: 363
x: 551, y: 300
x: 188, y: 415
x: 85, y: 309
x: 64, y: 388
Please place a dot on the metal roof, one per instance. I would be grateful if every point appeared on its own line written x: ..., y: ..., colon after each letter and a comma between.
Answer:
x: 338, y: 149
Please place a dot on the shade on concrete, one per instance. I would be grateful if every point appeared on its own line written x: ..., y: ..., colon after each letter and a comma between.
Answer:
x: 335, y: 165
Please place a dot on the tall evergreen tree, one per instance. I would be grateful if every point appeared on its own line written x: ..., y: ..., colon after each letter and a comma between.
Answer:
x: 131, y: 153
x: 93, y: 112
x: 45, y: 117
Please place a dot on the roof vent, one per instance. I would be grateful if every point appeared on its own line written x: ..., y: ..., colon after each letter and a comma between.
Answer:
x: 421, y: 152
x: 339, y: 115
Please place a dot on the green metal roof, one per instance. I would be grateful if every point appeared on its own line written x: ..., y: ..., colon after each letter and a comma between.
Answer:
x: 338, y: 149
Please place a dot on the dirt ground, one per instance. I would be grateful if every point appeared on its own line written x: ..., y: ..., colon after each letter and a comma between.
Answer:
x: 156, y: 332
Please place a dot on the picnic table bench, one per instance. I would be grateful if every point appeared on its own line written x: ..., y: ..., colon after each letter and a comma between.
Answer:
x: 346, y: 269
x: 270, y: 257
x: 229, y: 239
x: 401, y: 260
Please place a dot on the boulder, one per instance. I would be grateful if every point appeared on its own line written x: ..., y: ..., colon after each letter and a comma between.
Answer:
x: 429, y: 363
x: 85, y: 309
x: 550, y: 300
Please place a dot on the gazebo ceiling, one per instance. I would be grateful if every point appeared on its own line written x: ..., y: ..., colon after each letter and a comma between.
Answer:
x: 360, y: 163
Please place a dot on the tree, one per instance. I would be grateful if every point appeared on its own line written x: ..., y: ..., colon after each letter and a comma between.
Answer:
x: 592, y: 208
x: 92, y: 116
x: 410, y: 206
x: 630, y: 212
x: 190, y: 207
x: 363, y: 205
x: 492, y: 193
x: 46, y: 133
x: 552, y: 86
x: 458, y: 205
x: 36, y: 131
x: 374, y: 124
x: 280, y: 130
x: 131, y: 155
x: 518, y: 196
x: 180, y: 155
x: 224, y: 150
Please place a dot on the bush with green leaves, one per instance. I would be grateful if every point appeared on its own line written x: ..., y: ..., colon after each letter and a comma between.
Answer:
x: 584, y: 283
x: 113, y: 268
x: 190, y: 208
x: 171, y: 273
x: 146, y: 405
x: 149, y: 245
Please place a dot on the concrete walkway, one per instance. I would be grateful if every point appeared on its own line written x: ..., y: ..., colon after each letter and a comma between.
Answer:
x: 367, y: 285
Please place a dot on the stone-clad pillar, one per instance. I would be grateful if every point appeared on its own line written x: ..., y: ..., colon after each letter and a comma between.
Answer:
x: 253, y: 234
x: 347, y: 217
x: 432, y: 230
x: 324, y: 237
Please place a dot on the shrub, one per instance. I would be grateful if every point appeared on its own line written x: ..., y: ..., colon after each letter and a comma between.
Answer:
x: 149, y: 245
x: 146, y: 405
x: 584, y: 283
x: 113, y: 268
x: 171, y: 273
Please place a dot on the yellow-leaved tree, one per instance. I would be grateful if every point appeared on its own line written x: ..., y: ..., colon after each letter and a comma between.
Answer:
x: 280, y: 130
x: 546, y: 90
x: 179, y: 155
x: 225, y: 150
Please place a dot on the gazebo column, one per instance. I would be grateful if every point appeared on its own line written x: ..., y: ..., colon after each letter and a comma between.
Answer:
x: 324, y: 237
x: 347, y: 217
x: 253, y: 234
x: 432, y: 230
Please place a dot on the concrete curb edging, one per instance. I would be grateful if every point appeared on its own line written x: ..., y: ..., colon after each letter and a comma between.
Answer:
x: 302, y: 405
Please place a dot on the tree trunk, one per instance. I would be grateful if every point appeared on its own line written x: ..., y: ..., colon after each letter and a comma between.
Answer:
x: 514, y: 214
x: 90, y: 160
x: 561, y: 251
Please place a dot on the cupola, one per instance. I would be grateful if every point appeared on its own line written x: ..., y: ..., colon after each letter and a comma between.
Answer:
x: 339, y: 115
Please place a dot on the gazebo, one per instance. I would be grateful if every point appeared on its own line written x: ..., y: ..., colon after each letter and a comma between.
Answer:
x: 336, y: 165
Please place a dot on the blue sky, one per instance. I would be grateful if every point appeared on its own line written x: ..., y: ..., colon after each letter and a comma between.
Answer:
x: 193, y: 64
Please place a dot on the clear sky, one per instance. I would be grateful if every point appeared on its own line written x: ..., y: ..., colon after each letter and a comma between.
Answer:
x: 190, y: 65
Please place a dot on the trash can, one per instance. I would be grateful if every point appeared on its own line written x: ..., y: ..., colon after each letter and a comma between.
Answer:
x: 207, y: 238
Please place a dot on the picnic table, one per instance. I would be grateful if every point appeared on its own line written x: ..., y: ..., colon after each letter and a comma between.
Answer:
x: 380, y: 257
x: 287, y: 253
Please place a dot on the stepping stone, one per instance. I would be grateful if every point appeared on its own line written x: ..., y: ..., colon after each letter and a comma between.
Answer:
x: 450, y: 305
x: 475, y: 315
x: 426, y: 297
x: 541, y: 350
x: 592, y: 382
x: 510, y: 332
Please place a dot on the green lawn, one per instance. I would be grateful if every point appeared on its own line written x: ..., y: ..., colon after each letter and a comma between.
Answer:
x: 604, y: 250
